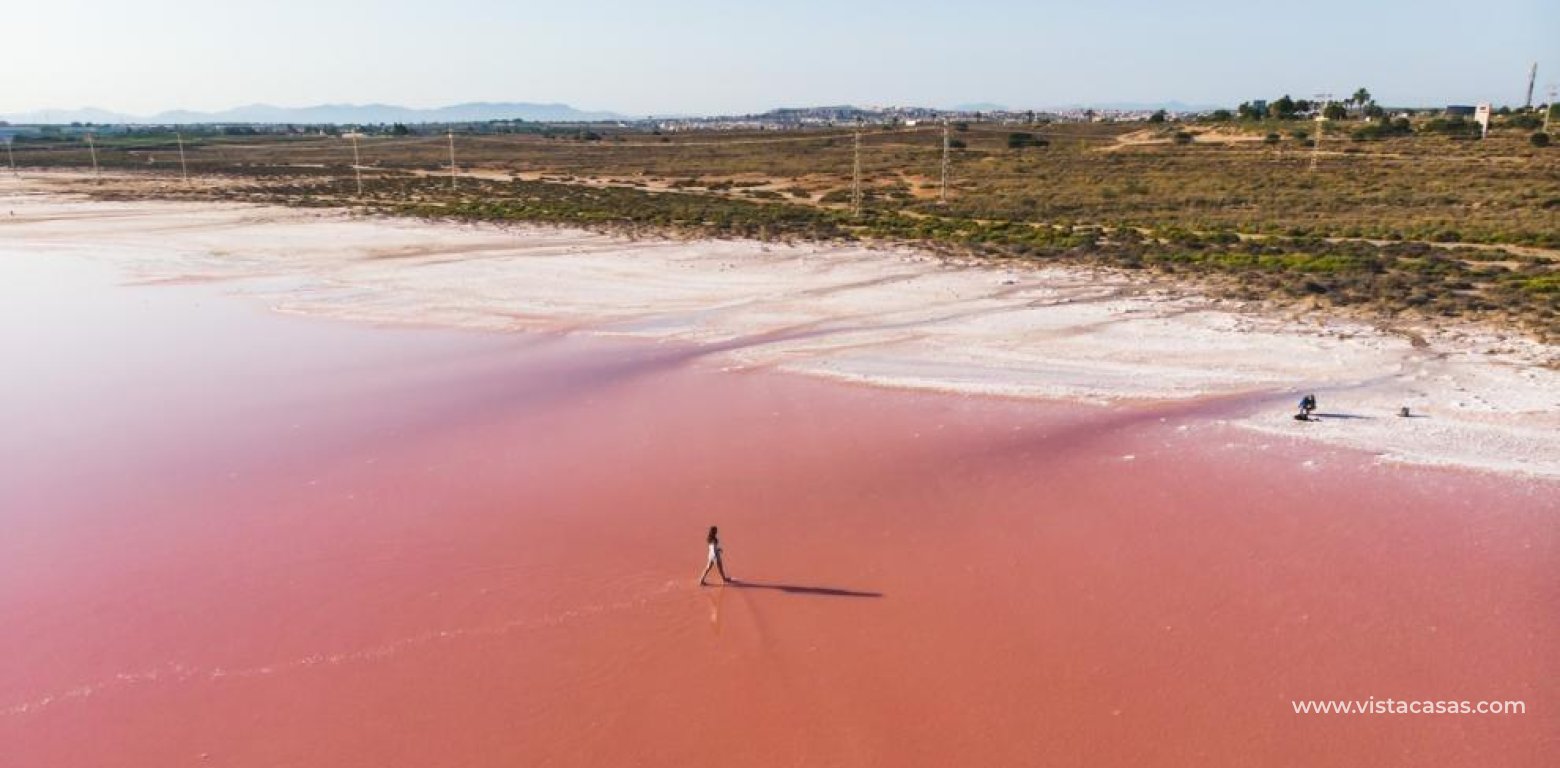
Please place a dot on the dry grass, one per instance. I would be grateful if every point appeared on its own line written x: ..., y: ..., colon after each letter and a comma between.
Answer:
x: 1247, y: 216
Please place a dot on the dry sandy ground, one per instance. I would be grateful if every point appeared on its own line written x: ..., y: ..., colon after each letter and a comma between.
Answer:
x: 1481, y: 399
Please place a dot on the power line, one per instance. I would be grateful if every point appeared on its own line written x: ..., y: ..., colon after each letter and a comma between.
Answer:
x: 1532, y: 75
x: 357, y: 164
x: 1549, y: 109
x: 855, y: 174
x: 942, y: 194
x: 383, y: 142
x: 605, y: 145
x: 93, y: 149
x: 184, y: 170
x: 1321, y: 128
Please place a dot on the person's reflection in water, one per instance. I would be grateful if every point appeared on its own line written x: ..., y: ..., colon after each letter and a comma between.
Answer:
x: 715, y: 598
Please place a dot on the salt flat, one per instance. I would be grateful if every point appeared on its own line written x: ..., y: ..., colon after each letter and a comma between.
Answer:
x: 1482, y: 399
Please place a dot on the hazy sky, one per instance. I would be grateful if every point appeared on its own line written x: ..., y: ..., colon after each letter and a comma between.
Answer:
x: 725, y: 56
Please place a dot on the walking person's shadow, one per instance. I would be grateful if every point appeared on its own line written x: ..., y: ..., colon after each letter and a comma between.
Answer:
x: 796, y: 589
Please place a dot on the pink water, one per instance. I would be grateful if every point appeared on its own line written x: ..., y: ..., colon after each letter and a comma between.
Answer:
x: 237, y: 538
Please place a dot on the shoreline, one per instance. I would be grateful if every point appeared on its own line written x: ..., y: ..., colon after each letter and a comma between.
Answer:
x: 1486, y: 400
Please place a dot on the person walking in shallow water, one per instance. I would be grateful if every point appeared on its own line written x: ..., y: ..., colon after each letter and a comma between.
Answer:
x: 715, y: 561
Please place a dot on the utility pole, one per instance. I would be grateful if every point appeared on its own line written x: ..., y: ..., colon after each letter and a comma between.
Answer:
x: 855, y: 174
x: 1532, y: 75
x: 1321, y: 118
x: 93, y: 149
x: 11, y: 157
x: 942, y: 194
x: 184, y: 170
x: 1549, y: 108
x: 357, y: 165
x: 450, y: 132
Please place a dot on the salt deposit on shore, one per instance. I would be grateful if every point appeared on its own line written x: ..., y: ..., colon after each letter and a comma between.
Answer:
x: 1481, y: 399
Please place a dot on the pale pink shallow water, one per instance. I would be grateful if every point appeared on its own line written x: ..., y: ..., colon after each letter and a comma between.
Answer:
x: 241, y: 539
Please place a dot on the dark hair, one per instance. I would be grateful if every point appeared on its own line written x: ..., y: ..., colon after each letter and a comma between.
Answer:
x: 710, y: 537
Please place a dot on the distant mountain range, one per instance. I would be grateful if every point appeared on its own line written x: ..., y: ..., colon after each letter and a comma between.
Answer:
x: 328, y: 113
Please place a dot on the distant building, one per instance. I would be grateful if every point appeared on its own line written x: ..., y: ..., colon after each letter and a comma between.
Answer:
x: 1259, y: 106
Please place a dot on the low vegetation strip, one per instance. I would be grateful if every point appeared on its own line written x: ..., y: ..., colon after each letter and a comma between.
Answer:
x: 1405, y: 222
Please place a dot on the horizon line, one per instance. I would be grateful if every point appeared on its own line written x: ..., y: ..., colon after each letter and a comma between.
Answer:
x: 128, y: 118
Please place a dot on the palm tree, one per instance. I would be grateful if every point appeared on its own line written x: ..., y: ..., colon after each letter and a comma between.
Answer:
x: 1361, y: 97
